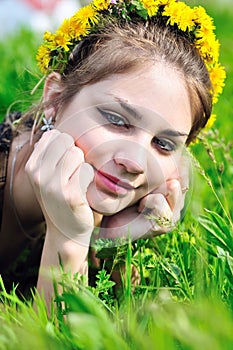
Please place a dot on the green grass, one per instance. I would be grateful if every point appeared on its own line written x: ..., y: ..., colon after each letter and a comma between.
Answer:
x: 185, y: 298
x: 19, y: 73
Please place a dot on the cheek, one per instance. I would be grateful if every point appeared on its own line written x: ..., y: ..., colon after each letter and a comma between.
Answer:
x: 98, y: 146
x: 90, y: 144
x: 84, y: 129
x: 84, y: 146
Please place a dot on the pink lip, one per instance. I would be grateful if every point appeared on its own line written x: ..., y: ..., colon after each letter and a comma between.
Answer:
x: 112, y: 183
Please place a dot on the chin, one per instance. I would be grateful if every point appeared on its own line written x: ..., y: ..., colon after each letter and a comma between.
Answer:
x: 106, y: 207
x: 107, y: 204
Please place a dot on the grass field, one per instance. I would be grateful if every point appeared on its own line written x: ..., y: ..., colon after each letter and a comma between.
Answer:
x: 185, y: 298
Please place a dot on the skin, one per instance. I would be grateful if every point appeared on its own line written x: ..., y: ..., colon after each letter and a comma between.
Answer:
x: 133, y: 156
x: 105, y: 163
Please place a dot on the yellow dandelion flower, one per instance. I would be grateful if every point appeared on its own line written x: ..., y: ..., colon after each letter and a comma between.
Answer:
x: 209, y: 50
x: 166, y: 2
x: 50, y: 40
x: 101, y: 4
x: 187, y: 22
x: 49, y: 37
x: 79, y: 29
x: 179, y: 13
x: 209, y: 43
x: 43, y: 57
x: 163, y: 2
x: 211, y: 121
x: 215, y: 45
x: 62, y: 40
x: 151, y: 6
x: 87, y: 14
x: 205, y: 31
x: 202, y: 18
x: 217, y: 77
x: 172, y: 11
x: 66, y: 27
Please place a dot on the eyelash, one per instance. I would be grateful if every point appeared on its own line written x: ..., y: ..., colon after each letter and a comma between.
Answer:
x: 164, y: 145
x: 122, y: 123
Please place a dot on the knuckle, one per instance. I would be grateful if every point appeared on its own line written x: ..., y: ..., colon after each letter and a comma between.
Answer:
x: 66, y: 137
x: 79, y: 153
x: 173, y: 186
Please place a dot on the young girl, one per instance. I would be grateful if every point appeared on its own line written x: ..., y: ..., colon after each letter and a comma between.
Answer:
x: 128, y: 85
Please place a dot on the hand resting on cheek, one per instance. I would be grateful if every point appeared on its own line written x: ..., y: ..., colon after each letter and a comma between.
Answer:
x: 155, y: 214
x: 60, y: 177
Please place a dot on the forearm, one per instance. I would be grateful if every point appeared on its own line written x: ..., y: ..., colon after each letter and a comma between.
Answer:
x: 60, y: 249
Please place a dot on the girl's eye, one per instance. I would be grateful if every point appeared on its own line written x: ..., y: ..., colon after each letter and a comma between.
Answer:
x: 164, y: 145
x: 114, y: 119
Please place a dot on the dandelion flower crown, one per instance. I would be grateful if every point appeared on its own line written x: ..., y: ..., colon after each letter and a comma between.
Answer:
x: 54, y: 53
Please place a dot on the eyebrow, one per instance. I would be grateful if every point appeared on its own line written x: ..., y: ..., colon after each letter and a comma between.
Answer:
x: 127, y: 107
x: 135, y: 113
x: 175, y: 133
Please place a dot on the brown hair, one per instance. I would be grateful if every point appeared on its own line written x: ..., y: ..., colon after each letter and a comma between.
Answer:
x: 121, y: 47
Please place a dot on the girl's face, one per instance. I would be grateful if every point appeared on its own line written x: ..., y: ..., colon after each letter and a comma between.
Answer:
x: 132, y: 128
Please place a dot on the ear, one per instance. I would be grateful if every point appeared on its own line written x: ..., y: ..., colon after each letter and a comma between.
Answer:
x: 52, y: 89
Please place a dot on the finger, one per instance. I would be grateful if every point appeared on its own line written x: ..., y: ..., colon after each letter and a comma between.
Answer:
x: 175, y: 199
x: 183, y: 171
x: 125, y: 224
x: 39, y: 149
x: 162, y: 189
x: 78, y: 184
x: 69, y: 163
x: 49, y: 158
x: 51, y: 155
x: 75, y: 216
x: 156, y: 205
x: 41, y: 145
x: 174, y: 194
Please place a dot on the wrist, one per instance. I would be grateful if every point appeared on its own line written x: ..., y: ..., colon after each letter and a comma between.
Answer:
x: 71, y: 253
x: 65, y: 237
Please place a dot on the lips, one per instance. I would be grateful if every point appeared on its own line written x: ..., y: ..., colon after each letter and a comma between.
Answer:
x: 118, y: 181
x: 112, y: 183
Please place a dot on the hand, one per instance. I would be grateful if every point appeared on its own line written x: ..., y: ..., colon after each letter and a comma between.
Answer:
x: 155, y: 214
x: 60, y: 177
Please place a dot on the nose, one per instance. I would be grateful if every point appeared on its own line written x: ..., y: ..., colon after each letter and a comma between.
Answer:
x: 132, y: 157
x: 129, y: 165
